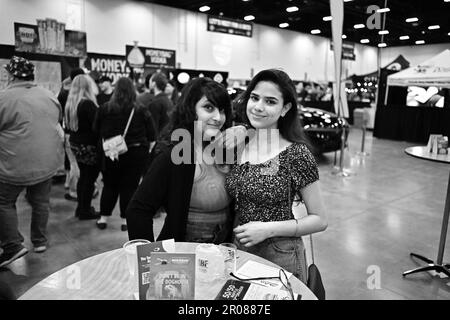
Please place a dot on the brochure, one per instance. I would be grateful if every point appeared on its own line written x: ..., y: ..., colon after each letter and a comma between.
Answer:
x: 253, y: 269
x: 171, y: 276
x: 144, y: 260
x: 241, y: 290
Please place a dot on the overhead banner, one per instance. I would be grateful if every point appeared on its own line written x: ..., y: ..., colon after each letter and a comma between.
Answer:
x: 229, y: 26
x: 348, y: 50
x: 152, y: 57
x: 340, y: 98
x: 113, y: 66
x: 49, y: 37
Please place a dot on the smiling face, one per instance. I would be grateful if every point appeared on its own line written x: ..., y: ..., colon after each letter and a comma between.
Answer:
x: 266, y: 105
x: 212, y: 119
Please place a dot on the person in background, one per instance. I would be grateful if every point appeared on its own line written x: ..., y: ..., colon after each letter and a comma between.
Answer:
x: 70, y: 164
x: 121, y: 176
x: 147, y: 96
x: 160, y: 105
x: 192, y: 194
x: 106, y: 90
x: 172, y: 93
x: 64, y: 92
x: 271, y: 173
x: 81, y: 109
x: 31, y: 151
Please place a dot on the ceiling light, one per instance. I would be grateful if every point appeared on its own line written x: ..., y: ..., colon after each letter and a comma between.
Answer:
x: 315, y: 31
x: 292, y: 9
x: 448, y: 34
x: 344, y: 36
x: 382, y: 45
x: 365, y: 41
x: 204, y: 9
x: 359, y: 26
x: 434, y: 27
x: 382, y: 10
x: 327, y: 18
x: 404, y: 38
x: 412, y: 19
x: 420, y: 42
x: 283, y: 25
x: 347, y: 0
x: 249, y: 18
x: 383, y: 32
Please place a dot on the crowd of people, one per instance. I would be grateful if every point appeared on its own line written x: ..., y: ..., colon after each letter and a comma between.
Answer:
x: 246, y: 200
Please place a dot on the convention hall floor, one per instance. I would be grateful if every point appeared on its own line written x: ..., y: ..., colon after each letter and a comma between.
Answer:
x: 391, y: 206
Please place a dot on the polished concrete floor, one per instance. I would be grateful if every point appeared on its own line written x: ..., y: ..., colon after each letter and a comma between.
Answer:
x: 390, y: 206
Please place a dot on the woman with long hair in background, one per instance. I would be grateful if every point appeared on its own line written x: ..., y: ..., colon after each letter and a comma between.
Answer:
x: 121, y: 176
x: 79, y: 116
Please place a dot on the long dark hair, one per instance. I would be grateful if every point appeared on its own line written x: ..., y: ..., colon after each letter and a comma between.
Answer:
x: 124, y: 95
x: 184, y: 113
x: 290, y: 126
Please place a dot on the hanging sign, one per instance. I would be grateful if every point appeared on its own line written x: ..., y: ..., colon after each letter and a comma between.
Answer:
x: 153, y: 57
x: 230, y: 26
x: 348, y: 50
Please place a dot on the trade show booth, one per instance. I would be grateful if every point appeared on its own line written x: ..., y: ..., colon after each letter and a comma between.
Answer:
x: 416, y: 102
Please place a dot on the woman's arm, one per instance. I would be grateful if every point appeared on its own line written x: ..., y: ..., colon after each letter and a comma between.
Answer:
x: 148, y: 198
x: 252, y: 233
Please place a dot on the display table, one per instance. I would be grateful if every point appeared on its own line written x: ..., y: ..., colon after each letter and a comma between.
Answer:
x: 106, y: 277
x: 422, y: 153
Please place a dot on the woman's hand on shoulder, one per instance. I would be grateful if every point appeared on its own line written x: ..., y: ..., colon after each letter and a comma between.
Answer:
x: 233, y: 137
x: 252, y: 233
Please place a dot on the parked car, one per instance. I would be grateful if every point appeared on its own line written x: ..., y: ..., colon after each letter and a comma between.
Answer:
x: 323, y: 128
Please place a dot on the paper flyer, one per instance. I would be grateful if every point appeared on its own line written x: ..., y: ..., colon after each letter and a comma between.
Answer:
x: 144, y: 259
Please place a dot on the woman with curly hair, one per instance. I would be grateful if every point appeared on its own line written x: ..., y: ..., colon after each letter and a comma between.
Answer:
x: 189, y: 188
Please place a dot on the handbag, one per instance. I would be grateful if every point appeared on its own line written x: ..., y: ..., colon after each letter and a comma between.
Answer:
x: 115, y: 146
x: 314, y: 281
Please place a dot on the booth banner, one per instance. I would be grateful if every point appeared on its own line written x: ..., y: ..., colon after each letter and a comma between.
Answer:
x: 49, y: 37
x: 229, y: 26
x: 113, y: 66
x: 153, y: 57
x: 348, y: 50
x: 47, y: 74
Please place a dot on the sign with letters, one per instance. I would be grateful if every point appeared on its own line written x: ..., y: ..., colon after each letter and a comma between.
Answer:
x: 155, y: 57
x: 113, y: 66
x: 348, y: 50
x: 229, y: 26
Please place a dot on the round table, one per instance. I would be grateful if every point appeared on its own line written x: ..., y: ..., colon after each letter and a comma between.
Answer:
x: 421, y: 152
x: 106, y: 277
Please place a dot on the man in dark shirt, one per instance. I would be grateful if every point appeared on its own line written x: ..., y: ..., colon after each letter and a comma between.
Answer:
x: 161, y: 104
x: 147, y: 96
x: 106, y: 90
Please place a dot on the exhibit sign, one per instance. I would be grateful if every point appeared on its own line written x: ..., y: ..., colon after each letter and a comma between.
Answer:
x: 229, y: 26
x: 348, y: 50
x: 152, y: 57
x: 113, y: 66
x: 49, y: 37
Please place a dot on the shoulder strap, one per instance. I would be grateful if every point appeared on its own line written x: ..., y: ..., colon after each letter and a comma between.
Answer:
x: 128, y: 123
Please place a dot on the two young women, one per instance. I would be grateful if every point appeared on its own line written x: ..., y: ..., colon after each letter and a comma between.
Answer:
x: 250, y: 201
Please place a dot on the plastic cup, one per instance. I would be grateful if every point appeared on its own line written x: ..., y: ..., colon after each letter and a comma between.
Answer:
x: 130, y: 248
x: 229, y: 251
